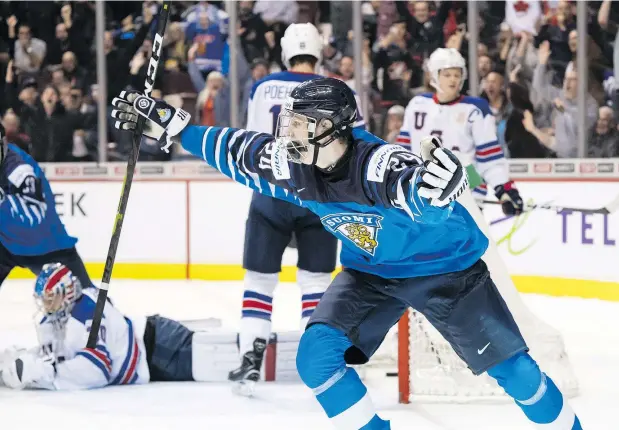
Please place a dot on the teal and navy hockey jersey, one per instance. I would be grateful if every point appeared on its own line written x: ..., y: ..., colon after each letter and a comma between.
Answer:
x: 369, y: 200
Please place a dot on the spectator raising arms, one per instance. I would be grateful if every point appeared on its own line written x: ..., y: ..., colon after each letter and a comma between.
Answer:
x: 425, y: 30
x: 558, y: 108
x: 392, y: 57
x: 69, y: 38
x: 207, y: 43
x: 555, y: 30
x: 253, y: 33
x: 117, y: 59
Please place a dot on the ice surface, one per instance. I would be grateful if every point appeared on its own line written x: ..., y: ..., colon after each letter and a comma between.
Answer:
x: 590, y: 329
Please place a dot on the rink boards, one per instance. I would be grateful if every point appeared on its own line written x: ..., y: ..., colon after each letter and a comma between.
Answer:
x: 185, y: 221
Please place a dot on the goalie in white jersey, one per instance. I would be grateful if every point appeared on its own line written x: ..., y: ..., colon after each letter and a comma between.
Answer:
x: 128, y: 351
x: 466, y: 123
x: 272, y: 222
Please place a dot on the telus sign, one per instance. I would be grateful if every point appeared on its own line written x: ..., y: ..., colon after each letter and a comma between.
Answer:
x: 586, y: 222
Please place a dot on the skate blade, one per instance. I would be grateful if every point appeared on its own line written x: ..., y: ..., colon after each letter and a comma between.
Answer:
x: 244, y: 388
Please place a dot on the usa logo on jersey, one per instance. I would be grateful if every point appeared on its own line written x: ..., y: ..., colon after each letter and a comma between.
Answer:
x: 360, y: 229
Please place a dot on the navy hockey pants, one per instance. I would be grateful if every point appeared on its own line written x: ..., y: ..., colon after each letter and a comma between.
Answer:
x: 465, y: 307
x: 269, y: 228
x: 168, y: 346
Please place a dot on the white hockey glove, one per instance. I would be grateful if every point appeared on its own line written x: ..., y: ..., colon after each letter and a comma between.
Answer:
x: 162, y: 120
x: 445, y: 178
x: 26, y: 370
x: 10, y: 354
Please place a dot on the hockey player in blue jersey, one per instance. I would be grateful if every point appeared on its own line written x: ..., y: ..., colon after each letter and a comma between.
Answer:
x: 406, y: 242
x: 31, y: 233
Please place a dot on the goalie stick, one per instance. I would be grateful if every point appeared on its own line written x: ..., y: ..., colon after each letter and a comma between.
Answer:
x: 151, y: 72
x: 604, y: 210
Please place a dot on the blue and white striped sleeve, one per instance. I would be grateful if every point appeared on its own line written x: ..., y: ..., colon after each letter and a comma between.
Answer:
x: 249, y: 158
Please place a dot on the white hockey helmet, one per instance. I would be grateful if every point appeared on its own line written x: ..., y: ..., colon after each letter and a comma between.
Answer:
x: 301, y: 39
x: 445, y: 58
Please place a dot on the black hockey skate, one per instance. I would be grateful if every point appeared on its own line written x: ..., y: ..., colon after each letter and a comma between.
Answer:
x: 246, y: 376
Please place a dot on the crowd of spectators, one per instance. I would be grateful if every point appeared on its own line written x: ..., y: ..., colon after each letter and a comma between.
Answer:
x: 526, y: 66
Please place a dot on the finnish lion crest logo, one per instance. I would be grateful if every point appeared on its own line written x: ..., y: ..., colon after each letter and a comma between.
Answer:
x: 360, y: 229
x: 164, y: 114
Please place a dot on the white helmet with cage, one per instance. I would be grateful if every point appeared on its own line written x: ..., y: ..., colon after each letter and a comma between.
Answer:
x: 445, y: 58
x: 301, y: 39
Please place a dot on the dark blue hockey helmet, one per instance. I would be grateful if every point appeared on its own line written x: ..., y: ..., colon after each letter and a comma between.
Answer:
x: 323, y: 109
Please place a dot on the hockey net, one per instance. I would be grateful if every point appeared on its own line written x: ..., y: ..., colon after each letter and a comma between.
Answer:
x: 430, y: 371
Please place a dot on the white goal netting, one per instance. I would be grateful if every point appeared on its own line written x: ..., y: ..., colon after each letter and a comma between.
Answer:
x: 436, y: 373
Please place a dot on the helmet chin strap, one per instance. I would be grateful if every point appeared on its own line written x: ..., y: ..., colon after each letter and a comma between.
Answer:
x: 436, y: 86
x: 315, y: 158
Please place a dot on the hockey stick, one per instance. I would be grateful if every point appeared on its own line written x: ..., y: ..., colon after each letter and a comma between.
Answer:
x: 151, y: 72
x: 605, y: 210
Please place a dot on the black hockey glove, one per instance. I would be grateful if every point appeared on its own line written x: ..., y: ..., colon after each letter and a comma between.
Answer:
x: 510, y: 199
x: 162, y: 120
x: 444, y: 178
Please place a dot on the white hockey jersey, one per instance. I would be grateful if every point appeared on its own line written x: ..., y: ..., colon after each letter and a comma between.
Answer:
x: 118, y: 359
x: 465, y: 125
x: 270, y: 93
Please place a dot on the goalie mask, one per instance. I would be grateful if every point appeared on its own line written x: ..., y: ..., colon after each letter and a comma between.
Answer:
x: 316, y: 113
x: 56, y: 291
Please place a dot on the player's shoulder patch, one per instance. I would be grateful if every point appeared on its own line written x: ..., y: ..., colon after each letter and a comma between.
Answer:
x: 379, y: 162
x: 478, y: 102
x: 19, y: 174
x: 360, y: 229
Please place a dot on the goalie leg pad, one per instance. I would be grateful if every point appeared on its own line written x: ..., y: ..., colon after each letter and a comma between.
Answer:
x: 338, y: 389
x: 535, y: 393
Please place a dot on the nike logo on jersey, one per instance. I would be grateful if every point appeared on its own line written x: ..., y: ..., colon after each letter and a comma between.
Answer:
x: 481, y: 351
